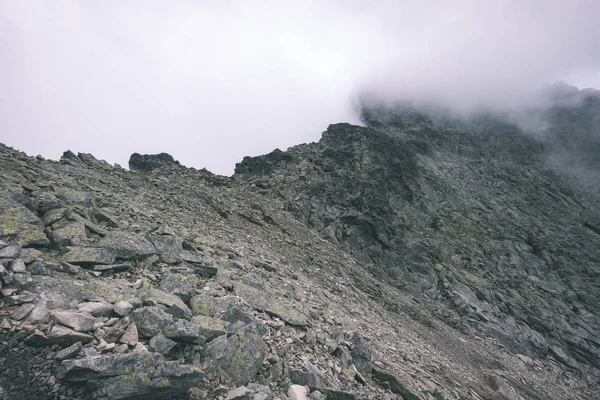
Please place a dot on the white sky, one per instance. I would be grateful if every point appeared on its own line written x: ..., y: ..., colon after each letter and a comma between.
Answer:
x: 212, y: 81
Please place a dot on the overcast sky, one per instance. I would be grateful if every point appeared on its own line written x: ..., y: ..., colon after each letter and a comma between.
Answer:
x: 212, y: 81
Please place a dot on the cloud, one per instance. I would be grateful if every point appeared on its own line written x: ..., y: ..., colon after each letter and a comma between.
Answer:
x: 212, y: 81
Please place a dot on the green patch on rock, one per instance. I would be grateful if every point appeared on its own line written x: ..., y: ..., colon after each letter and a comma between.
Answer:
x: 265, y: 302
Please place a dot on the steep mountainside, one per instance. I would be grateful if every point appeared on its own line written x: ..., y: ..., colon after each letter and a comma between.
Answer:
x: 414, y: 258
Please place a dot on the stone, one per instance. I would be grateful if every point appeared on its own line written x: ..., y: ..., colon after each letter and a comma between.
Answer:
x: 236, y: 358
x: 104, y: 346
x: 204, y: 270
x: 153, y: 320
x: 53, y: 216
x: 150, y: 162
x: 86, y: 256
x: 210, y: 328
x: 122, y: 348
x: 72, y: 234
x: 162, y: 344
x: 123, y: 308
x: 111, y: 267
x: 168, y: 248
x: 130, y: 337
x: 96, y: 308
x: 264, y: 302
x: 210, y: 306
x: 157, y: 296
x: 24, y: 297
x: 18, y: 267
x: 112, y: 333
x: 183, y: 286
x: 37, y: 267
x: 20, y: 281
x: 125, y: 245
x: 29, y: 255
x: 310, y: 376
x: 22, y: 311
x: 64, y: 336
x: 5, y: 275
x: 5, y: 324
x: 393, y: 384
x: 23, y: 226
x: 10, y: 252
x: 81, y: 322
x: 317, y: 395
x: 297, y: 392
x: 239, y: 393
x: 69, y: 352
x: 335, y: 394
x: 361, y: 355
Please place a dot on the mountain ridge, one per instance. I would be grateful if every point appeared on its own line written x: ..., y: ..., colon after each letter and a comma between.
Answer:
x: 415, y: 257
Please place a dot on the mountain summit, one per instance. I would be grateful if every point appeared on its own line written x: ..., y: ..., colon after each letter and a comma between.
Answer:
x: 420, y: 256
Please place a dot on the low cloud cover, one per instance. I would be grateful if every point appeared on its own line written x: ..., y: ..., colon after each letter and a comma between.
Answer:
x: 212, y: 81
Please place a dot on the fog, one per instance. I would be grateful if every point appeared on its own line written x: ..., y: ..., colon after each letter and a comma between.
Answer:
x: 212, y: 81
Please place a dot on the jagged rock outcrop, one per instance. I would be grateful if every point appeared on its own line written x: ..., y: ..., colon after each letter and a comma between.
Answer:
x: 418, y: 257
x: 469, y: 214
x: 149, y: 162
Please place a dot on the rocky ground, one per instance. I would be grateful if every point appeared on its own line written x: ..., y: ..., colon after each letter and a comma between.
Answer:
x: 410, y: 259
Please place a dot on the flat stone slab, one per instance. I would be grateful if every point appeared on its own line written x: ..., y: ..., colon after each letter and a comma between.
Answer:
x: 262, y: 301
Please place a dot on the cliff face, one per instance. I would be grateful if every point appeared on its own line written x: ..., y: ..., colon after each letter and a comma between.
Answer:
x: 418, y: 257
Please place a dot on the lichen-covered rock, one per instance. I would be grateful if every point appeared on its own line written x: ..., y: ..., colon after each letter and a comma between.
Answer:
x: 151, y: 321
x: 210, y: 328
x: 72, y: 234
x: 267, y: 303
x: 23, y: 226
x: 86, y: 256
x: 161, y: 344
x: 181, y: 285
x: 126, y: 245
x: 238, y: 357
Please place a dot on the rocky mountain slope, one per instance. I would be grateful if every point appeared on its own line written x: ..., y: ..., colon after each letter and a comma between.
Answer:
x: 418, y: 257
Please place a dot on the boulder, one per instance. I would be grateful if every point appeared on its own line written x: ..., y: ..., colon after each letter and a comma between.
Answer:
x: 297, y: 392
x: 18, y: 266
x: 64, y: 336
x: 263, y: 301
x: 10, y: 252
x: 69, y: 352
x: 29, y: 255
x: 182, y: 286
x: 81, y: 322
x: 236, y: 358
x: 123, y: 308
x: 23, y: 226
x: 96, y: 308
x: 86, y: 256
x: 210, y: 328
x: 72, y: 234
x: 392, y: 383
x: 151, y: 321
x: 130, y: 337
x: 150, y: 162
x: 168, y: 248
x: 126, y: 245
x: 310, y: 376
x: 162, y: 344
